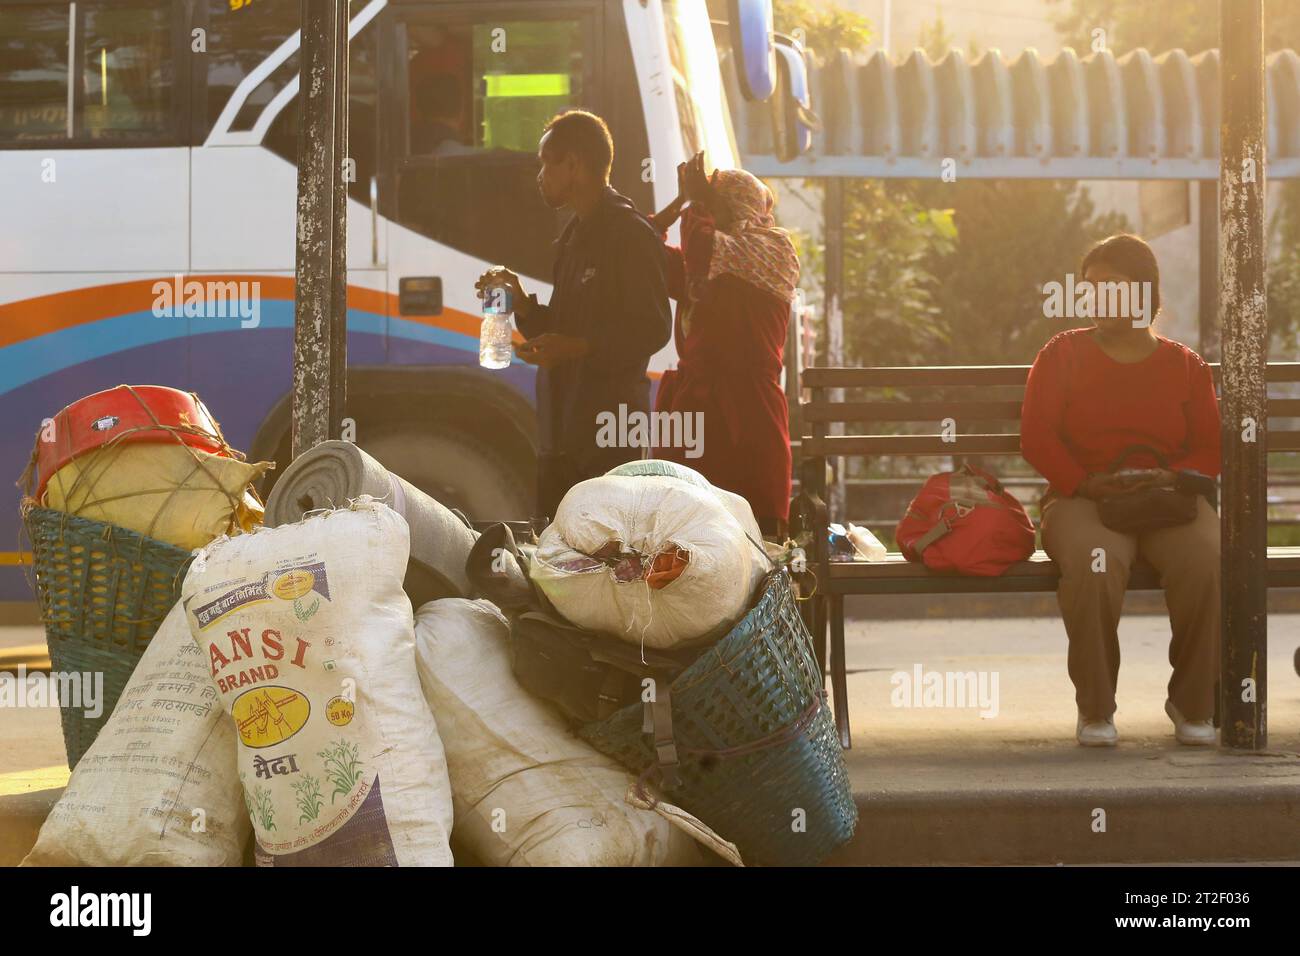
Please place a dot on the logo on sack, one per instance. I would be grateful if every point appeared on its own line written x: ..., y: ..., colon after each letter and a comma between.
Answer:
x: 293, y: 584
x: 289, y: 585
x: 266, y: 716
x: 105, y: 423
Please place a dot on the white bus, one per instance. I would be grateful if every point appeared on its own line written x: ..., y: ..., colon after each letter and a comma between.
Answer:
x: 154, y: 141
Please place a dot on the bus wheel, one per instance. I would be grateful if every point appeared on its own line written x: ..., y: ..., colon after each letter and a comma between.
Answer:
x: 460, y: 471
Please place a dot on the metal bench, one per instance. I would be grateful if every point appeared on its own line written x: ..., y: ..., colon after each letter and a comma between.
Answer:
x: 966, y: 395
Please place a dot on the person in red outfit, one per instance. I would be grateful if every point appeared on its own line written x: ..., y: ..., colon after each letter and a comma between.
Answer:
x: 734, y: 278
x: 1092, y: 393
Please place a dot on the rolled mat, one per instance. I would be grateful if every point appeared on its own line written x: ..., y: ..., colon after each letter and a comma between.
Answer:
x: 335, y: 471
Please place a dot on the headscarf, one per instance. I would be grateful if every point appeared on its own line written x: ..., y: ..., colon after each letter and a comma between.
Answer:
x: 752, y: 247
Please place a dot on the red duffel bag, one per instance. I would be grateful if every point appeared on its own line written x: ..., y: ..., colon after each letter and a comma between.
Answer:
x: 963, y: 521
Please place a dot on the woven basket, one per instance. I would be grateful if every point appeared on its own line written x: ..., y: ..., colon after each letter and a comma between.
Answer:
x: 103, y: 591
x: 755, y: 740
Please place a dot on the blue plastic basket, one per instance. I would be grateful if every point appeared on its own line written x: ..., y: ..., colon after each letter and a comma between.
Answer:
x: 755, y: 739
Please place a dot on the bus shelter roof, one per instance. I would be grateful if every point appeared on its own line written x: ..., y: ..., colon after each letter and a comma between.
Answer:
x: 1097, y: 117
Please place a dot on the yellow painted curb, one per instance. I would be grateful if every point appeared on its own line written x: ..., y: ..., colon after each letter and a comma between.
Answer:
x: 28, y: 781
x: 35, y: 657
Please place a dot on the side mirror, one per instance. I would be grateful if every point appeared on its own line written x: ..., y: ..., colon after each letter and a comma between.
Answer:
x: 793, y: 120
x: 751, y: 42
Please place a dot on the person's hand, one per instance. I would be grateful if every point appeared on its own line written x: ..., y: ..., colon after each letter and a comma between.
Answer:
x: 504, y: 277
x: 696, y: 182
x: 1099, y: 486
x: 681, y: 185
x: 552, y: 348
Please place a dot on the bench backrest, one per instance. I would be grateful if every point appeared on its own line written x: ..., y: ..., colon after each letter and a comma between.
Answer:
x: 968, y: 395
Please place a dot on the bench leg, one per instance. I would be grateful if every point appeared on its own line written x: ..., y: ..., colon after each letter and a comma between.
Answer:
x: 839, y: 674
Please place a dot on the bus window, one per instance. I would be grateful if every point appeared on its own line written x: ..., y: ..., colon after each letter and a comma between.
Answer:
x: 282, y: 137
x: 34, y: 73
x: 127, y: 70
x: 124, y: 77
x: 239, y: 38
x: 478, y: 91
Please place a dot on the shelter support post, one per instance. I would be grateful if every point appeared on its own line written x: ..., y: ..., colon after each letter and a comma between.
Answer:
x: 1244, y: 503
x: 320, y: 288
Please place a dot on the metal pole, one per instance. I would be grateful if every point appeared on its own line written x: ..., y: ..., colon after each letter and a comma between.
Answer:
x: 320, y: 291
x: 1244, y: 514
x: 1208, y: 268
x: 833, y: 217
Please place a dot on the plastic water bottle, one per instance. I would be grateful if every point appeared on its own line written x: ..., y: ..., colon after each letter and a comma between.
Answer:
x: 866, y: 543
x: 494, y: 340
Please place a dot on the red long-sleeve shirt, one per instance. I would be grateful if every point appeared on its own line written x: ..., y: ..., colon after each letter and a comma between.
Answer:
x: 1082, y: 409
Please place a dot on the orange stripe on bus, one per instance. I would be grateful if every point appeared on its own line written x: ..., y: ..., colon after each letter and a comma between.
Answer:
x: 40, y: 315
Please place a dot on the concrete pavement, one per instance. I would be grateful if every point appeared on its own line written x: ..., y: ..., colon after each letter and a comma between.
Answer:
x: 943, y: 784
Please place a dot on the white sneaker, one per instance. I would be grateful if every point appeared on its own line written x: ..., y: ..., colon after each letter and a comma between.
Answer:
x: 1193, y: 733
x: 1096, y: 733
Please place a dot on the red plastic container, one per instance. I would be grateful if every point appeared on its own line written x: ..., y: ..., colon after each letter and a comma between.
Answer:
x: 128, y: 413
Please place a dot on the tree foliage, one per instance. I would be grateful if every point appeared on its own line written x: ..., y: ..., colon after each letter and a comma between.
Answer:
x: 1193, y: 25
x: 947, y: 272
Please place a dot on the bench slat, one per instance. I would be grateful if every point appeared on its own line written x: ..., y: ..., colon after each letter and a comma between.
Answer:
x: 905, y: 411
x: 935, y: 445
x: 911, y: 411
x: 975, y: 376
x: 895, y: 575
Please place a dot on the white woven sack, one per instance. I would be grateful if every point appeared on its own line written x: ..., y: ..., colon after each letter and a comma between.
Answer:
x: 648, y: 515
x: 527, y: 791
x: 312, y: 646
x: 158, y: 785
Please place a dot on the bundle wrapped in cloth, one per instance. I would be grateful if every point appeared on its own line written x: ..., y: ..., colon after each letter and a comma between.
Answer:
x: 336, y: 472
x: 148, y: 458
x: 657, y: 558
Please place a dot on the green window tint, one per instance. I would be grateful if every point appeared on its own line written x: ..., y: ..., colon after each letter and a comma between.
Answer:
x: 525, y: 73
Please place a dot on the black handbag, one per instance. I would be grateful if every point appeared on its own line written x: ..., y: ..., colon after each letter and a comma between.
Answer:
x: 1149, y: 509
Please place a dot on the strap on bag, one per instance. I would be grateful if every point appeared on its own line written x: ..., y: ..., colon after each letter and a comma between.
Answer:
x: 962, y: 507
x: 660, y: 712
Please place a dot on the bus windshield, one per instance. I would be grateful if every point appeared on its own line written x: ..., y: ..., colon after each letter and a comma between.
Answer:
x: 697, y: 83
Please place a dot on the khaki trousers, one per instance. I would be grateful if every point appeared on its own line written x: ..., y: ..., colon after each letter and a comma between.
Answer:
x: 1095, y: 563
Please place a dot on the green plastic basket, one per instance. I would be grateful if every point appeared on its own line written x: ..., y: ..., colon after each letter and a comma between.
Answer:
x: 103, y: 591
x: 755, y: 739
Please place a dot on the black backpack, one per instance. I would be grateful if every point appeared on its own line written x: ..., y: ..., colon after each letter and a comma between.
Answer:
x: 588, y: 675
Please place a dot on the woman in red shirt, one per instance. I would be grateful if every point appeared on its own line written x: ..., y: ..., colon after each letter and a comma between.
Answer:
x: 734, y: 278
x: 1093, y: 393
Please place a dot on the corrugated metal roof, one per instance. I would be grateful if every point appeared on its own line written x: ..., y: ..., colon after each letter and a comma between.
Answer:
x: 1099, y: 117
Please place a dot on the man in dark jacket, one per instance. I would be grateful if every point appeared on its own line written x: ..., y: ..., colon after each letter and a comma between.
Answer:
x: 608, y: 312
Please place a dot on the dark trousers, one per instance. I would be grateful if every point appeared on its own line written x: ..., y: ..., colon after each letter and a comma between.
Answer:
x: 557, y: 473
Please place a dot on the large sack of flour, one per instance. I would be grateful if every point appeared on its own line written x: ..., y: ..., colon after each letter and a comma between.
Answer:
x: 651, y: 559
x: 527, y: 791
x: 311, y: 642
x: 657, y: 467
x: 158, y: 787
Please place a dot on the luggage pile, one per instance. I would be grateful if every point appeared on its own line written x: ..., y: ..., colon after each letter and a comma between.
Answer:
x: 366, y: 680
x: 121, y: 485
x: 652, y: 615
